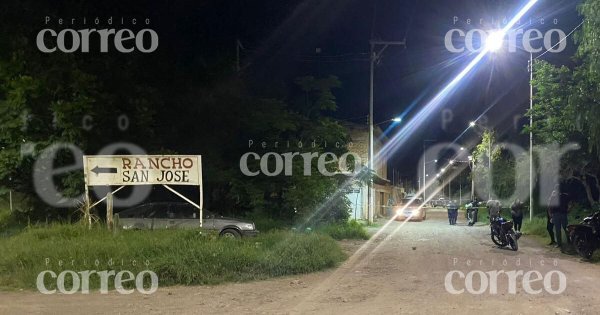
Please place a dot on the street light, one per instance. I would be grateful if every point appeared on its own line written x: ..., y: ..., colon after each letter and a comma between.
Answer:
x: 495, y: 40
x: 530, y: 136
x: 395, y: 119
x: 493, y: 44
x: 472, y: 166
x: 425, y: 175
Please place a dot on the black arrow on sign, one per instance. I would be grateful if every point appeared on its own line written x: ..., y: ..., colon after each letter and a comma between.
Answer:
x: 99, y: 170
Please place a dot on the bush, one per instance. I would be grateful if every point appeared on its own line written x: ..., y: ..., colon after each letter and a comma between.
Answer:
x: 349, y: 230
x: 186, y: 257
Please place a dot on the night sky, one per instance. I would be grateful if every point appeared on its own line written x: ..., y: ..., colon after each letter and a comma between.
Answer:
x: 498, y: 86
x: 283, y: 40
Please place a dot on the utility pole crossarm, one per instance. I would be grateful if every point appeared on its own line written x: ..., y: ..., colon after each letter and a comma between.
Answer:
x: 383, y: 42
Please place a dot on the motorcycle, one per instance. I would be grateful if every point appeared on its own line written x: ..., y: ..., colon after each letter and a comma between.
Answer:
x: 585, y: 236
x: 502, y: 233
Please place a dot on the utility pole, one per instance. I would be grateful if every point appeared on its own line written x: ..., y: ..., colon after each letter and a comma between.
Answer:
x: 425, y: 170
x: 375, y: 57
x: 238, y: 47
x: 472, y: 165
x: 490, y: 163
x: 530, y: 136
x: 450, y: 188
x: 10, y: 200
x: 460, y: 191
x: 424, y: 174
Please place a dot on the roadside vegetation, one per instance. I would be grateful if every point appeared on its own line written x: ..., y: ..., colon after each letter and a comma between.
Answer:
x: 178, y: 257
x: 538, y: 225
x: 343, y: 231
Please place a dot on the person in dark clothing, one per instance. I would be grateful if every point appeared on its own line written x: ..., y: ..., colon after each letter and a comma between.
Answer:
x: 549, y: 224
x: 516, y: 212
x: 550, y: 228
x: 472, y: 212
x: 452, y: 212
x: 559, y: 208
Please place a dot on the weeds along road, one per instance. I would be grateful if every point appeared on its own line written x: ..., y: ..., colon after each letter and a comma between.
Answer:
x: 401, y: 270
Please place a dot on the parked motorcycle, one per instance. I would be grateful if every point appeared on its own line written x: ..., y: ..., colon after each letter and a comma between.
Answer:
x: 502, y: 233
x: 585, y: 236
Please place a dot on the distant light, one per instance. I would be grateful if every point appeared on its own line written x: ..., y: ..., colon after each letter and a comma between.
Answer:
x: 443, y: 169
x: 470, y: 158
x: 462, y: 148
x: 451, y: 162
x: 495, y: 40
x: 435, y: 161
x: 472, y: 124
x: 397, y: 119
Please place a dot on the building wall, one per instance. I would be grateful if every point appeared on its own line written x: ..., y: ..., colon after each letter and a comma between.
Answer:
x: 358, y: 194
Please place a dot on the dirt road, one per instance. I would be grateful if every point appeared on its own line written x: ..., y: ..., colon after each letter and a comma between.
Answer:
x: 402, y: 270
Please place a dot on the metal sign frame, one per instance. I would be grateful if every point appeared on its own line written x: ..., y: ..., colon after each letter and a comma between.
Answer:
x: 200, y: 185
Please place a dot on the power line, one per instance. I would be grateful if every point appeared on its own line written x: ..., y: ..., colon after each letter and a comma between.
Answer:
x: 562, y: 40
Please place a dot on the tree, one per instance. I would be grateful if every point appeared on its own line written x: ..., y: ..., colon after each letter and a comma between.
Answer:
x: 567, y: 107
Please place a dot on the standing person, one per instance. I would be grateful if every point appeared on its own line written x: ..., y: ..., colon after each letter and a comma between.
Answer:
x: 455, y: 212
x: 516, y: 212
x: 559, y: 206
x: 452, y: 212
x: 470, y: 212
x: 493, y: 209
x: 549, y: 224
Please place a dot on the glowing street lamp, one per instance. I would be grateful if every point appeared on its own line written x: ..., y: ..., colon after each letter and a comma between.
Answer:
x: 495, y: 40
x: 395, y: 120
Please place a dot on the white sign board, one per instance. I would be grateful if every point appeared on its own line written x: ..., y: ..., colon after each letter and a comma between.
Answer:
x: 119, y: 170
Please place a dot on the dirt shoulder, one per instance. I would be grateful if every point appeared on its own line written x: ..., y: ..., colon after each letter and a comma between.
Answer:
x: 400, y: 270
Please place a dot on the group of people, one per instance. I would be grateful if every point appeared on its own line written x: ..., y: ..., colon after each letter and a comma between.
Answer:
x: 556, y: 215
x: 494, y: 209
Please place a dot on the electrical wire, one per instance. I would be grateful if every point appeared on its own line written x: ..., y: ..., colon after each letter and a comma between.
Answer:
x: 562, y: 40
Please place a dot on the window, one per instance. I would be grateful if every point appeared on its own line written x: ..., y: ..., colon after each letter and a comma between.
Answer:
x: 159, y: 211
x: 185, y: 211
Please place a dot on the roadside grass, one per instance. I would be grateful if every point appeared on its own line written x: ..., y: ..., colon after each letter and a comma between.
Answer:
x: 352, y: 229
x: 267, y: 224
x: 178, y: 257
x: 8, y: 224
x: 536, y: 229
x: 344, y: 231
x: 537, y: 226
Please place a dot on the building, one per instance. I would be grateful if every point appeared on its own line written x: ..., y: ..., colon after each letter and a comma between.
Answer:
x: 384, y: 196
